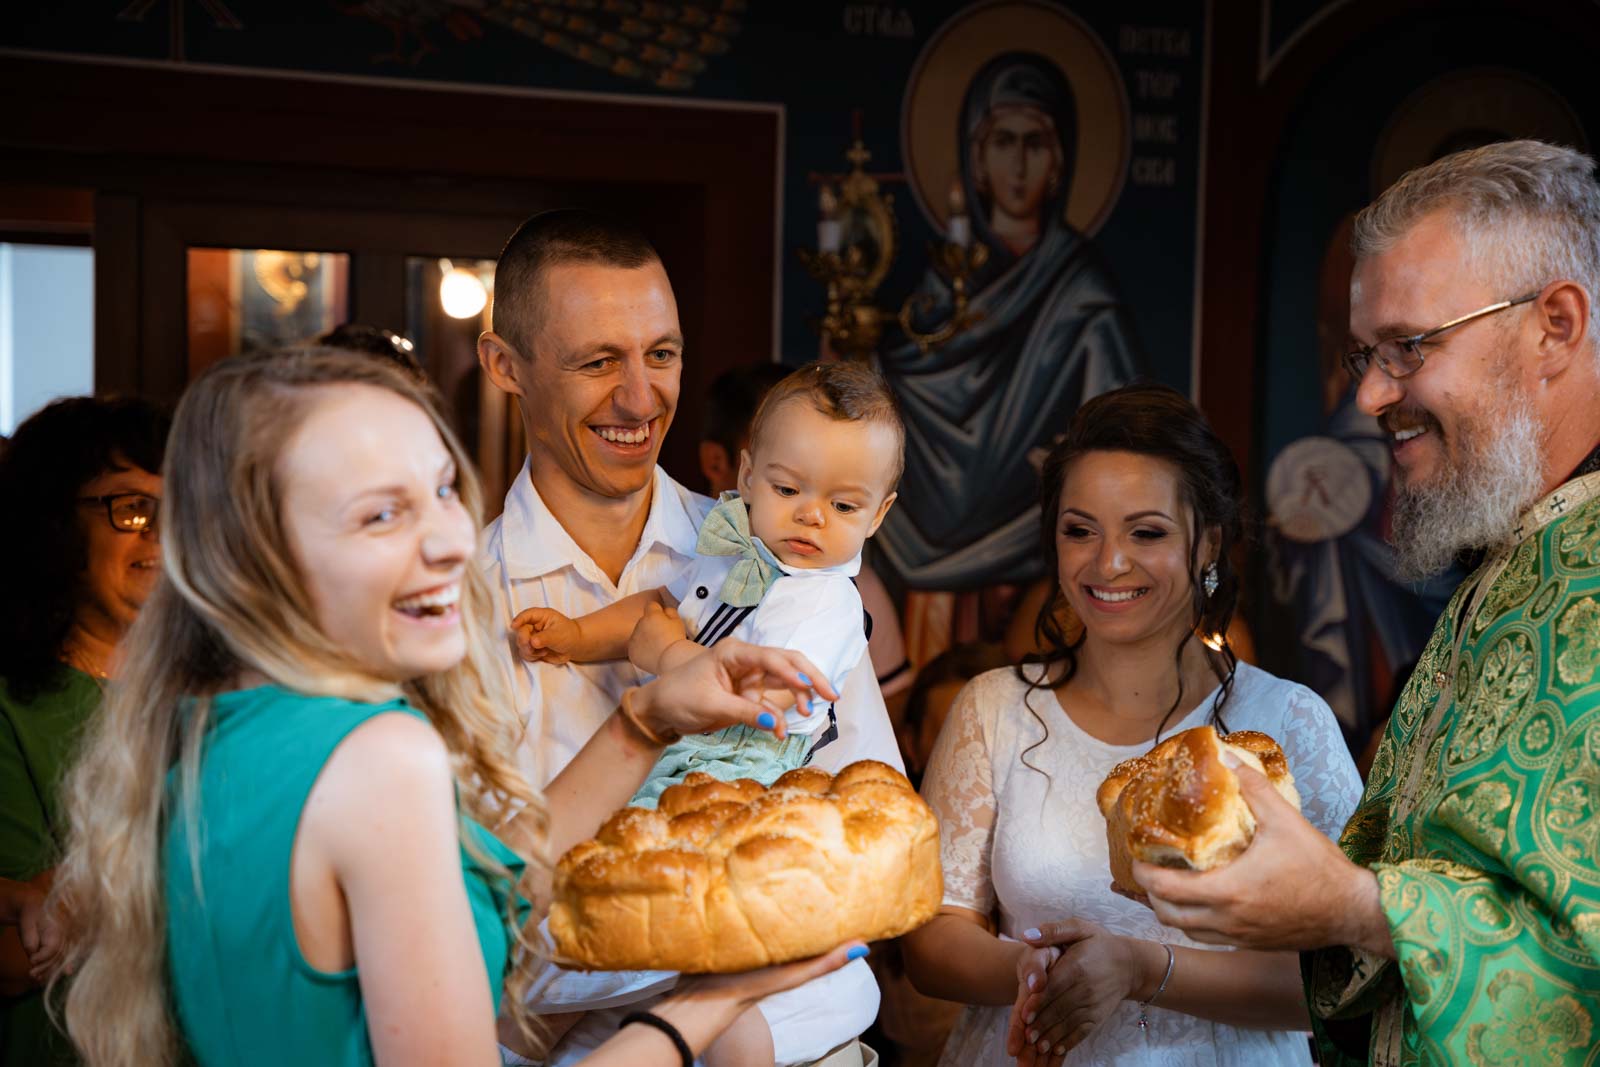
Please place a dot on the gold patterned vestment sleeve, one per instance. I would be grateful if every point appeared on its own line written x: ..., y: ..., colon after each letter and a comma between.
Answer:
x: 1481, y: 821
x: 1491, y: 974
x: 1489, y: 881
x: 1342, y: 983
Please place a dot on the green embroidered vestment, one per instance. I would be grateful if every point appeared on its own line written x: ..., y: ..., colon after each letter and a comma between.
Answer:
x: 1481, y: 818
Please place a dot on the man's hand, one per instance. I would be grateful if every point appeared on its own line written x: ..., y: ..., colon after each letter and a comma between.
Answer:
x: 1291, y: 889
x: 1074, y: 976
x: 544, y: 635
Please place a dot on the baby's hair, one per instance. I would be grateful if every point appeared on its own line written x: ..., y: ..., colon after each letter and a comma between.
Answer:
x: 844, y: 391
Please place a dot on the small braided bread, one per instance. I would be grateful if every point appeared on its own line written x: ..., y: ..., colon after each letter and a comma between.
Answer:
x: 1179, y: 805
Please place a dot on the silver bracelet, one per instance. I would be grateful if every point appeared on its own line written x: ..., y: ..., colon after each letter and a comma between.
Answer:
x: 1144, y: 1020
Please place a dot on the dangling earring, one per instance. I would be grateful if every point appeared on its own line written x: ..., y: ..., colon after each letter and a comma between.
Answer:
x: 1209, y: 581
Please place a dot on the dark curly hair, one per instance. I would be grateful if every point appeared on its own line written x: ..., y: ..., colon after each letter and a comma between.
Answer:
x: 1159, y: 422
x: 48, y: 461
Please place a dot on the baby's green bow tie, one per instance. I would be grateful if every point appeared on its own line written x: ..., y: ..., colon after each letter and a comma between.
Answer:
x: 726, y: 532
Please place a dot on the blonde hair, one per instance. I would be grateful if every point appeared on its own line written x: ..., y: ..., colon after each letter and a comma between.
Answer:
x: 233, y: 598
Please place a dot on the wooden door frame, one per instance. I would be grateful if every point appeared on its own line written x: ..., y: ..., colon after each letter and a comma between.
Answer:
x: 705, y: 179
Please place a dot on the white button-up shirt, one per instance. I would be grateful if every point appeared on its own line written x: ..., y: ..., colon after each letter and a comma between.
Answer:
x: 815, y: 611
x: 531, y: 561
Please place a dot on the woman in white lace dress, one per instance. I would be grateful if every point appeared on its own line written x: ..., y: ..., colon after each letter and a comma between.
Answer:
x: 1140, y: 513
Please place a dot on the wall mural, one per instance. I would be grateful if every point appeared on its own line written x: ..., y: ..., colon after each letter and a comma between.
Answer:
x: 1049, y: 327
x: 1069, y: 134
x: 1021, y: 153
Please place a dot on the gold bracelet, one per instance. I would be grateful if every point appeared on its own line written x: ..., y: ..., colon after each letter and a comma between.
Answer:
x: 633, y: 720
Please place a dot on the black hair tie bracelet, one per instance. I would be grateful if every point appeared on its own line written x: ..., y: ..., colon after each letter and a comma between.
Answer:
x: 666, y: 1028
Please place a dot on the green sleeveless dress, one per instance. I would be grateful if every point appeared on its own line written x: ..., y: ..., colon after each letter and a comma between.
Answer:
x: 242, y: 992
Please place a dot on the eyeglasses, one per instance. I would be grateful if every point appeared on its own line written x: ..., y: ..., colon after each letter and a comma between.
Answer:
x: 1400, y: 357
x: 128, y: 512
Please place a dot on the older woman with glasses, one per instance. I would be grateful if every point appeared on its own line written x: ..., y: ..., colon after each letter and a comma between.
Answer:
x: 81, y: 484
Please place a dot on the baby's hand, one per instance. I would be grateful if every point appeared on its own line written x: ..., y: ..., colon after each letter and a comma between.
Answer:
x: 656, y: 630
x: 544, y: 635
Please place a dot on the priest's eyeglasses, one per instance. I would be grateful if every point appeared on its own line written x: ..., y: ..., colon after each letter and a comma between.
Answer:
x: 1401, y: 357
x: 127, y: 512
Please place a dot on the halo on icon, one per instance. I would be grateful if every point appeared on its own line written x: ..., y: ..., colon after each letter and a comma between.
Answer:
x: 931, y: 115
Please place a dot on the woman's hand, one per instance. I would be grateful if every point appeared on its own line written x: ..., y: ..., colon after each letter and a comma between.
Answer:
x: 1033, y: 971
x: 24, y: 904
x: 749, y: 987
x: 41, y: 937
x: 701, y: 1008
x: 1076, y: 975
x: 723, y: 686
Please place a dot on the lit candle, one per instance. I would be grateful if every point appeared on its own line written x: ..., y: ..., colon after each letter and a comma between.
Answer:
x: 959, y: 229
x: 830, y: 235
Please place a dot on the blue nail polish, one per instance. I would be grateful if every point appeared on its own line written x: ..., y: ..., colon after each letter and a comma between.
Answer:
x: 803, y: 679
x: 766, y: 721
x: 1030, y: 935
x: 856, y: 953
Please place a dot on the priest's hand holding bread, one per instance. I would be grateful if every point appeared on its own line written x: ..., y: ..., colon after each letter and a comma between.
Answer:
x: 1213, y: 835
x: 1179, y: 805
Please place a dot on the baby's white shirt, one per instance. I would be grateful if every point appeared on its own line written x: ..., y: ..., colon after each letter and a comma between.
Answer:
x: 816, y: 612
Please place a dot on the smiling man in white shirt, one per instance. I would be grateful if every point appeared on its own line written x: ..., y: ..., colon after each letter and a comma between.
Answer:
x: 586, y: 338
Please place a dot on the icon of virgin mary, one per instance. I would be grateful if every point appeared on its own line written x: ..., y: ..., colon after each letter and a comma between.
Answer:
x: 1051, y: 332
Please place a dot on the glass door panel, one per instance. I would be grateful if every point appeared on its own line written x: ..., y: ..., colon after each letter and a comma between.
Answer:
x: 448, y: 304
x: 247, y: 299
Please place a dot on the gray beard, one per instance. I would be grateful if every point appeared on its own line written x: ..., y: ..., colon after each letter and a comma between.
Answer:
x: 1475, y: 504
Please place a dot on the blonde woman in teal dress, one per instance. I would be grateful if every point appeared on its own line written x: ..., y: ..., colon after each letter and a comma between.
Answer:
x: 281, y: 847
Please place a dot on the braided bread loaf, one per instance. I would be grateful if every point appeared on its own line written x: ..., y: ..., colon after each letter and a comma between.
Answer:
x: 727, y: 876
x: 1178, y: 805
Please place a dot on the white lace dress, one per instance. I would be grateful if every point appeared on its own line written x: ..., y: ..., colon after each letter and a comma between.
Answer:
x: 1036, y: 846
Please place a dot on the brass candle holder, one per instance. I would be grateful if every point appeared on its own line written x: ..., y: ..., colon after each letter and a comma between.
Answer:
x: 856, y: 244
x: 956, y: 263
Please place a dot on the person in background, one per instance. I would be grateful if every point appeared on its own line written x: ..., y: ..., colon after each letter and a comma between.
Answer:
x: 375, y: 341
x: 934, y: 694
x: 82, y: 483
x: 731, y: 405
x: 1140, y: 513
x: 280, y: 846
